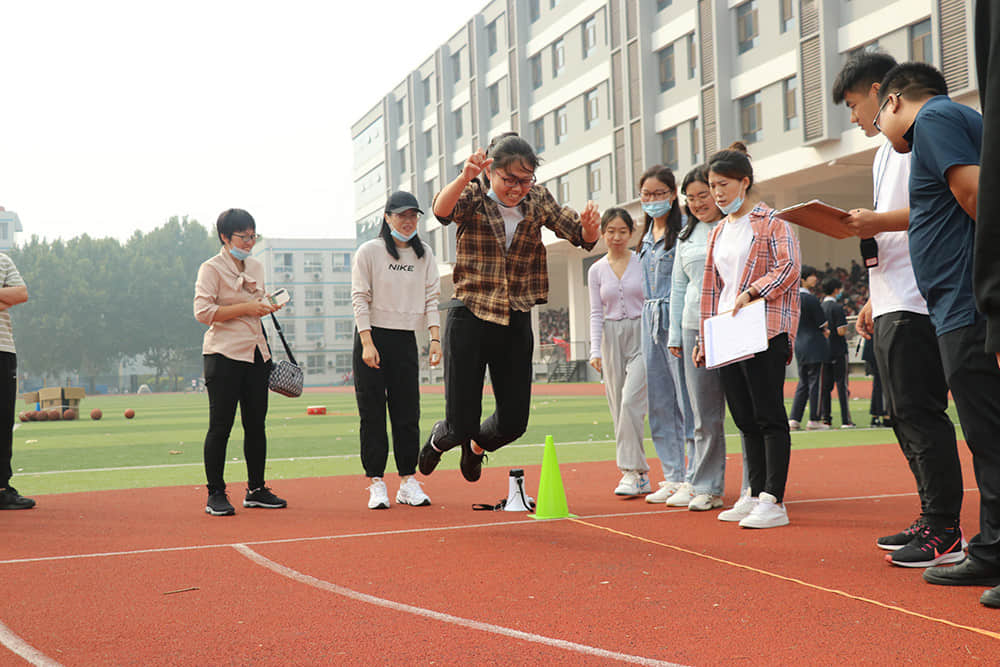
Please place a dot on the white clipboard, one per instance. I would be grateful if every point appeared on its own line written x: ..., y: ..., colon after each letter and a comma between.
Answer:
x: 730, y: 338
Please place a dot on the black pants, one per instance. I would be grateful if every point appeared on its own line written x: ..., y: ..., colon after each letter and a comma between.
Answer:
x: 807, y: 389
x: 974, y: 379
x: 230, y: 383
x: 395, y: 382
x: 906, y: 353
x: 755, y: 395
x: 8, y: 399
x: 834, y: 374
x: 878, y: 402
x: 472, y: 345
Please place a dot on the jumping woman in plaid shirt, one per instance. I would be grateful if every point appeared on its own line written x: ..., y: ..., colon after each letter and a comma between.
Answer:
x: 753, y: 255
x: 500, y: 273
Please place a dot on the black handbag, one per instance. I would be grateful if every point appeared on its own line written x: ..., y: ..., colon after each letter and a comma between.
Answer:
x: 286, y: 376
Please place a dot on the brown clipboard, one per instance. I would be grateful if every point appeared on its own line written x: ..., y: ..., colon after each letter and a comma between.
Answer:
x: 819, y: 217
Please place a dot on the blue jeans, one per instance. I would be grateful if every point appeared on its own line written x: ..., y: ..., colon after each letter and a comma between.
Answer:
x: 708, y: 403
x: 666, y: 421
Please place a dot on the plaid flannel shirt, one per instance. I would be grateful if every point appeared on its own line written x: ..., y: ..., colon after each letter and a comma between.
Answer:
x: 773, y: 267
x: 490, y: 279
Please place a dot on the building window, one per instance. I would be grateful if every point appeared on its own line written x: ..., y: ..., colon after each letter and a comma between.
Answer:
x: 314, y: 330
x: 458, y: 123
x: 668, y: 141
x: 341, y: 261
x: 785, y: 20
x: 491, y: 38
x: 429, y: 143
x: 288, y: 328
x: 283, y: 262
x: 494, y: 93
x: 534, y: 10
x: 695, y: 141
x: 314, y: 298
x: 663, y: 4
x: 536, y: 71
x: 594, y: 180
x: 402, y: 159
x: 790, y: 94
x: 666, y: 58
x: 538, y: 134
x: 344, y: 362
x: 312, y: 262
x: 315, y: 364
x: 344, y: 329
x: 341, y: 295
x: 558, y: 58
x: 746, y: 26
x: 553, y: 4
x: 426, y: 85
x: 589, y: 36
x: 750, y: 120
x: 562, y: 125
x: 401, y: 110
x: 456, y: 67
x: 562, y: 189
x: 590, y: 109
x: 692, y: 53
x: 920, y: 42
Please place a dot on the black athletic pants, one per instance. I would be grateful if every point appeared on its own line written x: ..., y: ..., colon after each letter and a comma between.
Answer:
x: 472, y: 345
x: 835, y: 375
x: 396, y: 383
x: 807, y: 389
x: 8, y: 400
x: 755, y: 395
x: 230, y: 383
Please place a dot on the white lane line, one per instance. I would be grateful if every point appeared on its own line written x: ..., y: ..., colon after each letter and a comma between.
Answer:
x: 23, y: 649
x: 583, y: 649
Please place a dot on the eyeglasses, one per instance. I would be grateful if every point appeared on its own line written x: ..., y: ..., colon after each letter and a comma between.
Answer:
x: 700, y: 198
x: 886, y: 101
x: 655, y: 194
x: 248, y: 238
x: 514, y: 182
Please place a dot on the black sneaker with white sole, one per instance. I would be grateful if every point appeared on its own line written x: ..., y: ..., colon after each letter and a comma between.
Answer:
x: 10, y: 499
x: 218, y: 504
x: 429, y: 456
x: 263, y: 497
x: 902, y: 538
x: 471, y: 463
x: 932, y: 546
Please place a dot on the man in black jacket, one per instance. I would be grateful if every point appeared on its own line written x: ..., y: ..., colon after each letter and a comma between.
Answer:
x: 811, y: 352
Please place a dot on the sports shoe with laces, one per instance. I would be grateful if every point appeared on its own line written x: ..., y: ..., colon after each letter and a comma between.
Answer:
x: 10, y: 499
x: 633, y: 483
x: 932, y: 546
x: 471, y: 464
x: 970, y: 572
x: 816, y: 426
x: 429, y: 456
x: 902, y: 538
x: 218, y: 504
x: 705, y: 501
x: 794, y: 425
x: 410, y: 493
x: 663, y: 494
x: 682, y: 496
x: 378, y: 498
x: 767, y: 513
x: 263, y: 497
x: 741, y: 509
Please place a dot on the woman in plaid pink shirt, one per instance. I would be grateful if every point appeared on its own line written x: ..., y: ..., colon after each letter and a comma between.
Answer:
x: 752, y: 254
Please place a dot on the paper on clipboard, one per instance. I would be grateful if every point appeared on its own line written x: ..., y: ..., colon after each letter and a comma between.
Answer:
x: 730, y: 338
x: 819, y: 217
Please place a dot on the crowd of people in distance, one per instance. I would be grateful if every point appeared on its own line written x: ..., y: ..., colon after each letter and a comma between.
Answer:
x: 553, y: 323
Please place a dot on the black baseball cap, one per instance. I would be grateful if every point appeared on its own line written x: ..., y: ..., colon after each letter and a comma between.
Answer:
x: 402, y: 201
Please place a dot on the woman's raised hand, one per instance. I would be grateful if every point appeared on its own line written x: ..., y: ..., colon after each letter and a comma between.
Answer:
x: 475, y: 164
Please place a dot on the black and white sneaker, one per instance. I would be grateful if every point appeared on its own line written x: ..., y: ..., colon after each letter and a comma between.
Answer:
x: 10, y: 499
x: 263, y: 497
x: 933, y: 546
x: 218, y: 504
x: 430, y: 455
x: 471, y: 464
x: 902, y: 538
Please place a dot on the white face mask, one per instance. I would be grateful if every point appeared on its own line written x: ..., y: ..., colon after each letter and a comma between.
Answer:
x: 733, y: 206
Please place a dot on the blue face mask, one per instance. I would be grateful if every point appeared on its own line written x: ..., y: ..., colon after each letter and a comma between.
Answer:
x: 400, y: 237
x: 238, y: 254
x: 491, y: 193
x: 733, y: 206
x: 657, y: 209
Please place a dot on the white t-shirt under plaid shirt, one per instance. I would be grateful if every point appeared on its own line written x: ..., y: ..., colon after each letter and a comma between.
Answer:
x: 9, y: 277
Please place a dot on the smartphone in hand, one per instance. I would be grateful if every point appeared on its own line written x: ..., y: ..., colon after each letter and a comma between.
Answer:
x: 279, y: 297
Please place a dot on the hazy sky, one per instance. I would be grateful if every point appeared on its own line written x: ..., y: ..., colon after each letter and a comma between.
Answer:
x: 116, y: 115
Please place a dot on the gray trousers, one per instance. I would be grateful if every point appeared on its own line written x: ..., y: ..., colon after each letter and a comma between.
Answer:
x: 625, y: 386
x: 708, y: 404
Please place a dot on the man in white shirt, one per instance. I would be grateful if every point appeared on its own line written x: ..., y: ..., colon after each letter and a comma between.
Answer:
x: 906, y: 349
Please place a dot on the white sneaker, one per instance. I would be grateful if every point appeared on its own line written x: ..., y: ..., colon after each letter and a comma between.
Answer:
x: 703, y: 502
x: 663, y: 494
x: 817, y: 426
x: 633, y: 484
x: 410, y: 493
x: 682, y: 497
x: 793, y: 425
x: 768, y: 513
x: 379, y: 498
x: 740, y: 510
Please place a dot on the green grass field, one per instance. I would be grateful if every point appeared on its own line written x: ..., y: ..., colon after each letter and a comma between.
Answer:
x: 162, y: 446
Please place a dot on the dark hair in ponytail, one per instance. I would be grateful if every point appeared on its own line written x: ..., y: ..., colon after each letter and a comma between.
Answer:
x: 664, y: 175
x: 734, y: 162
x: 508, y: 148
x: 390, y: 242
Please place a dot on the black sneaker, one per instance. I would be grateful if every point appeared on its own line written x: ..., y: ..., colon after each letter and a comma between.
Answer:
x: 218, y: 504
x: 876, y: 423
x: 471, y: 464
x: 932, y: 546
x: 970, y: 572
x: 900, y: 540
x: 263, y: 497
x: 991, y: 598
x: 10, y: 499
x: 429, y: 457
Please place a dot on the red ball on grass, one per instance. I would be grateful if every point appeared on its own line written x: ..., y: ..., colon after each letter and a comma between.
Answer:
x: 69, y: 413
x: 129, y: 413
x: 42, y: 415
x: 55, y: 414
x: 96, y: 414
x: 23, y: 416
